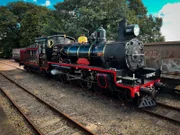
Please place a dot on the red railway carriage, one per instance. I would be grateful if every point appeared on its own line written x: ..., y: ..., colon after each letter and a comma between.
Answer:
x: 29, y: 58
x: 114, y: 66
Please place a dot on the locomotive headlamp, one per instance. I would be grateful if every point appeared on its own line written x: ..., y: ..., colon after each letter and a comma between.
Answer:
x: 136, y: 30
x: 132, y: 30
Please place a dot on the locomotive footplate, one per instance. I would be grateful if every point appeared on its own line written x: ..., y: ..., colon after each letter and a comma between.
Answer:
x: 127, y: 80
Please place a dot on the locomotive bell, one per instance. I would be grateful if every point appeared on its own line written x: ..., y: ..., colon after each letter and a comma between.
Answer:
x: 101, y: 34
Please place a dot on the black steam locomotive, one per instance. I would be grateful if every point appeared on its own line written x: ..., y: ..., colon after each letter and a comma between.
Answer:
x: 100, y: 65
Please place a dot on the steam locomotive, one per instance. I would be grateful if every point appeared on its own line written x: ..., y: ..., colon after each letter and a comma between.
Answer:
x: 101, y: 65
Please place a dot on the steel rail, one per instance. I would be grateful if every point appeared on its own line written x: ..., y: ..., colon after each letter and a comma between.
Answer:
x: 161, y: 116
x: 168, y: 106
x: 23, y: 114
x: 76, y: 123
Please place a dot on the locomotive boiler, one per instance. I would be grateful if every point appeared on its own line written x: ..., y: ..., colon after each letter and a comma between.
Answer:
x: 119, y: 55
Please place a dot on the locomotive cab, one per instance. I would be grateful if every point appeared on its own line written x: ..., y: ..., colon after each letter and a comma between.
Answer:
x: 49, y: 47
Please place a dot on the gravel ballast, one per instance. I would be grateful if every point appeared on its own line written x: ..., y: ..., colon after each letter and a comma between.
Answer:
x: 103, y: 116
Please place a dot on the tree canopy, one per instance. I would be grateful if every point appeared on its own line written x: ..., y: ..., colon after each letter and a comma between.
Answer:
x: 150, y: 25
x: 21, y: 22
x: 89, y: 15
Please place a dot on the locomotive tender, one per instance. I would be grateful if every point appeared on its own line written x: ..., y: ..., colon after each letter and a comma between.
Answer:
x: 100, y: 65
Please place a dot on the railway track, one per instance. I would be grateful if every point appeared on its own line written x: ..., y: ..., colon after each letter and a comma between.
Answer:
x: 164, y: 111
x: 41, y: 115
x: 161, y: 111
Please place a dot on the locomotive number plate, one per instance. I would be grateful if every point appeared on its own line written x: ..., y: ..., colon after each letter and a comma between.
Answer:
x: 150, y: 75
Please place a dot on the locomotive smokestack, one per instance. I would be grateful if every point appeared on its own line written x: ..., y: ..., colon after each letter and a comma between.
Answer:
x: 121, y: 30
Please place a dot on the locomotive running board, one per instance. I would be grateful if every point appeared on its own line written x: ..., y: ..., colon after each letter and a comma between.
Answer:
x: 147, y: 102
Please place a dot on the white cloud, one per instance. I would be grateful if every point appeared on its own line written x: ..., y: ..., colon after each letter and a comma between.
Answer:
x: 171, y: 21
x: 48, y: 3
x: 35, y: 0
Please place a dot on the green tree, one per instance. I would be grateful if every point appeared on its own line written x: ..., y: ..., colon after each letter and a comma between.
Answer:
x: 20, y: 23
x: 138, y: 7
x: 8, y: 30
x: 54, y: 24
x: 32, y: 25
x: 150, y: 26
x: 85, y: 14
x: 151, y: 30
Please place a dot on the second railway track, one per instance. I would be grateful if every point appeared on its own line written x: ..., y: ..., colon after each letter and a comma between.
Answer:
x: 164, y: 111
x: 44, y: 118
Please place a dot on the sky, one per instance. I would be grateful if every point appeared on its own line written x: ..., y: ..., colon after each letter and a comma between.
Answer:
x: 168, y: 10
